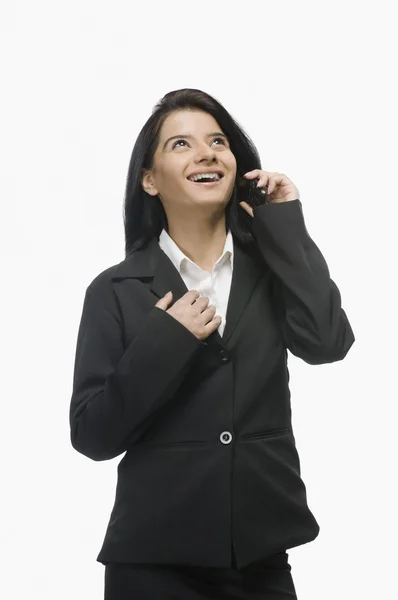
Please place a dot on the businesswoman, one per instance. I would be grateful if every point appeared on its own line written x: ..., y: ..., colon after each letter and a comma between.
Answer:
x: 181, y: 364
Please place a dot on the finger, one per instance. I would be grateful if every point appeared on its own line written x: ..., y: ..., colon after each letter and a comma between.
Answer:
x: 252, y: 174
x: 258, y: 173
x: 274, y: 181
x: 201, y: 303
x: 213, y: 324
x: 191, y: 296
x: 271, y: 186
x: 165, y: 301
x: 263, y: 181
x: 246, y: 207
x: 209, y: 312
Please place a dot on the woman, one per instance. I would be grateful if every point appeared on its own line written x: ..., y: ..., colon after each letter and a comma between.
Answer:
x: 181, y: 362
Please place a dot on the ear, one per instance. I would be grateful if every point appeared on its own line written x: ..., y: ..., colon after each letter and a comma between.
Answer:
x: 147, y: 183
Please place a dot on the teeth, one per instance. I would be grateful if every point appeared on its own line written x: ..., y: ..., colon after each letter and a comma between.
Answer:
x: 200, y: 176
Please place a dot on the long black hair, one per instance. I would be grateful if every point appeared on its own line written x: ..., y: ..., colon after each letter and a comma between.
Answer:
x: 143, y: 215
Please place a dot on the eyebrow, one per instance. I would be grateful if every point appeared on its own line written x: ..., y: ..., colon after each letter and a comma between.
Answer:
x: 189, y: 137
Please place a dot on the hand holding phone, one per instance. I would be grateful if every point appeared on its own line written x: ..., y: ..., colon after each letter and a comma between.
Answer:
x: 250, y: 196
x: 257, y: 196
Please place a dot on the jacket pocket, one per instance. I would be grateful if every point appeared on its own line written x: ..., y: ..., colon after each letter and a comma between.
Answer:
x: 153, y: 445
x: 140, y: 451
x: 275, y: 561
x: 178, y: 443
x: 265, y: 434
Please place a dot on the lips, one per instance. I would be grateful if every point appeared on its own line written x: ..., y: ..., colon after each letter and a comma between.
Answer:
x: 205, y: 172
x: 209, y: 183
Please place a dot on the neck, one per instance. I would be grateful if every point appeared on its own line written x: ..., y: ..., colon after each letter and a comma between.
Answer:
x: 201, y: 241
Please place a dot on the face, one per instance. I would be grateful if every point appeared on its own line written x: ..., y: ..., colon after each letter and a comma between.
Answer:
x: 198, y: 148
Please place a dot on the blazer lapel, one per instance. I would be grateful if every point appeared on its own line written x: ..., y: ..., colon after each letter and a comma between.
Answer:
x: 154, y: 268
x: 246, y: 273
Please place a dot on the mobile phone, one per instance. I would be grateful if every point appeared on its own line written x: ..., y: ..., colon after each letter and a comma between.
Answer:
x: 255, y: 196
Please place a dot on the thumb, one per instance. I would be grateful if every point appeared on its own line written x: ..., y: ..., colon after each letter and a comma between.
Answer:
x: 165, y: 301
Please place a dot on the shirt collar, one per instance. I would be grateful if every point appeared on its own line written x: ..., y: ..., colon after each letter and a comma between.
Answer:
x: 168, y: 245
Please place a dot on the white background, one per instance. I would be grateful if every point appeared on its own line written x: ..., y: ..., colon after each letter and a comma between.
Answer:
x: 314, y: 85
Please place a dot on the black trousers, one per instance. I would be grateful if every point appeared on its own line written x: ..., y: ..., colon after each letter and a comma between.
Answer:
x: 266, y: 580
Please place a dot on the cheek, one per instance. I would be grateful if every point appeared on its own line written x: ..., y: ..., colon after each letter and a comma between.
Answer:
x: 169, y: 175
x: 231, y: 163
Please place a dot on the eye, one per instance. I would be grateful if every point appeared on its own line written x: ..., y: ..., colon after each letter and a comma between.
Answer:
x: 219, y: 138
x: 182, y: 140
x: 177, y: 142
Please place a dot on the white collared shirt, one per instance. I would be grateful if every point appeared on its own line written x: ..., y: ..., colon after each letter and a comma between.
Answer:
x: 216, y: 285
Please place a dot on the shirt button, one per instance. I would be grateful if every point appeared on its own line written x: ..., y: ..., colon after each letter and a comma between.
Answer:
x: 226, y: 437
x: 224, y: 356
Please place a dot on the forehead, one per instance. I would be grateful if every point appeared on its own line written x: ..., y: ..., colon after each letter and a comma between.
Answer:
x: 188, y: 121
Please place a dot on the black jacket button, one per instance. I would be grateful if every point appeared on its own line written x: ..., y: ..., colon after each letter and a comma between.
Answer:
x: 224, y: 356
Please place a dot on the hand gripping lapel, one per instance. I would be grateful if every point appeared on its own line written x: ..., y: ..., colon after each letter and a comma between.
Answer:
x: 117, y: 389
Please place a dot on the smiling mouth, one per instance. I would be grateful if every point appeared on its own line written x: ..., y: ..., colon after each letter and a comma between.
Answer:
x: 206, y: 183
x: 211, y: 183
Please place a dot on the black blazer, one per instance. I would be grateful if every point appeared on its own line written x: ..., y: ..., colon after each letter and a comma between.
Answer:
x: 211, y: 458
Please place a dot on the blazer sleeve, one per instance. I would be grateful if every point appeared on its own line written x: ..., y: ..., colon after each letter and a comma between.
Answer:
x: 306, y: 300
x: 116, y: 389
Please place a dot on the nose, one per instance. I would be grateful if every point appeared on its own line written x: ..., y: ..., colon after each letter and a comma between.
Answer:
x: 206, y: 153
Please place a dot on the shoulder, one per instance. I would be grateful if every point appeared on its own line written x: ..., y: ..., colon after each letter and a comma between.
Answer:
x: 100, y: 291
x: 103, y: 280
